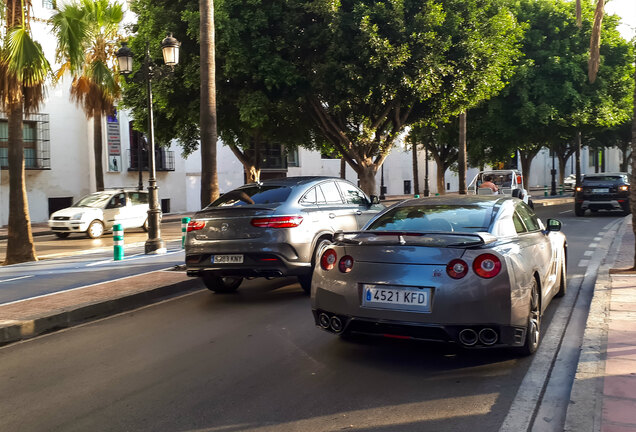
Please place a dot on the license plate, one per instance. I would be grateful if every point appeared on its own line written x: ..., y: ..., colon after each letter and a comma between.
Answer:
x: 227, y: 259
x: 59, y: 224
x: 398, y: 298
x: 604, y: 190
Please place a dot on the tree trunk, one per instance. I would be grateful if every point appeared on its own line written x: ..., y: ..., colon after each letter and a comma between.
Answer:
x: 252, y: 173
x: 366, y: 175
x: 343, y: 168
x: 526, y: 163
x: 441, y: 171
x: 207, y: 113
x: 632, y: 190
x: 20, y: 246
x: 461, y: 157
x: 97, y: 149
x: 562, y: 162
x: 416, y: 172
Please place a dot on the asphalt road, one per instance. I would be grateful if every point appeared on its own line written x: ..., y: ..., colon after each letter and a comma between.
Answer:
x: 254, y: 361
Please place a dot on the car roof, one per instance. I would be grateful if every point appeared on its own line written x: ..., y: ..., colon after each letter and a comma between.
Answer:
x: 295, y: 181
x: 458, y: 200
x: 591, y: 175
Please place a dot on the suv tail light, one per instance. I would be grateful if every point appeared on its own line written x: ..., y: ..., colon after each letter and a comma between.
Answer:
x: 277, y: 222
x: 346, y: 264
x: 328, y: 259
x: 487, y: 265
x: 195, y: 225
x: 457, y: 269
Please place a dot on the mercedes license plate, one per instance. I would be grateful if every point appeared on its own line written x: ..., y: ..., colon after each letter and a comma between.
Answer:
x: 227, y: 259
x: 602, y: 190
x: 398, y: 298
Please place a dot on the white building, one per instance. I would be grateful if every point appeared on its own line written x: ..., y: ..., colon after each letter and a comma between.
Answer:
x: 60, y: 163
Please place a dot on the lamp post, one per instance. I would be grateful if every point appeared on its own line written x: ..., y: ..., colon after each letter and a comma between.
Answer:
x: 426, y: 190
x: 553, y: 190
x: 170, y: 47
x: 382, y: 188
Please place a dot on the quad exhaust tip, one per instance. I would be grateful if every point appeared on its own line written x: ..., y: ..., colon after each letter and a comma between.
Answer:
x: 324, y: 321
x: 488, y: 336
x: 336, y: 324
x: 468, y: 337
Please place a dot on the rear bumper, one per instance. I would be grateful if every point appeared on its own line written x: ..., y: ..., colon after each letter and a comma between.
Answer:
x: 507, y: 335
x: 254, y: 265
x: 607, y: 204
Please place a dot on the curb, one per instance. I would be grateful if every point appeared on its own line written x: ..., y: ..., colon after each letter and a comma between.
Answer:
x: 584, y: 412
x: 13, y: 331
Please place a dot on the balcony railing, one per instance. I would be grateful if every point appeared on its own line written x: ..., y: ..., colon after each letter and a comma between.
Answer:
x: 37, y: 150
x: 164, y: 160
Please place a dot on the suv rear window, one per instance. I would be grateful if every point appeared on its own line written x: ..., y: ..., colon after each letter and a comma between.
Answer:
x: 598, y: 178
x: 253, y: 195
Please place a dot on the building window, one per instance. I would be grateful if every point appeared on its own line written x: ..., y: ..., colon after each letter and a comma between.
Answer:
x: 35, y: 135
x: 292, y: 158
x: 138, y: 154
x: 48, y: 4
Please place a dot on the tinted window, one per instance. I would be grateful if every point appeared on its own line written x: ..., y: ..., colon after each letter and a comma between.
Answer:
x: 606, y: 178
x: 138, y: 197
x: 469, y: 218
x: 331, y: 193
x: 518, y: 224
x: 352, y: 194
x: 253, y: 195
x: 528, y: 217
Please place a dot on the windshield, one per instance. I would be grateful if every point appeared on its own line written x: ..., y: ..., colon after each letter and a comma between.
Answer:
x: 94, y: 200
x: 253, y: 195
x: 425, y: 218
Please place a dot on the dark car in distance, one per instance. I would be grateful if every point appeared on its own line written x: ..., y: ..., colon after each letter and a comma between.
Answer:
x: 272, y: 228
x: 602, y: 191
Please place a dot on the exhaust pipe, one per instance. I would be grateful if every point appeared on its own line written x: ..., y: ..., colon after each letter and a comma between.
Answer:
x: 323, y: 320
x: 468, y: 337
x: 336, y: 324
x: 488, y: 336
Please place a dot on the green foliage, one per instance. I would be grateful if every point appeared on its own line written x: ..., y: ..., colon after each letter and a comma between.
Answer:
x: 25, y: 59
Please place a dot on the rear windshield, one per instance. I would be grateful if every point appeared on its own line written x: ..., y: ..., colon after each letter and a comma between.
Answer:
x: 447, y: 218
x: 606, y: 178
x: 94, y: 200
x: 253, y: 195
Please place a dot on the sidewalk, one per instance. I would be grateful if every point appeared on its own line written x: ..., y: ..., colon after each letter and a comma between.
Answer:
x: 603, y: 397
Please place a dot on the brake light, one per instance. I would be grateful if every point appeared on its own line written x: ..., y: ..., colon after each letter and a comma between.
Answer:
x: 487, y: 266
x: 277, y: 222
x: 328, y: 259
x: 195, y: 225
x: 346, y: 264
x: 457, y: 269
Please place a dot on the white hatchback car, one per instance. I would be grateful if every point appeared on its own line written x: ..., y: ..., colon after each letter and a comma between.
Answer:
x: 99, y: 211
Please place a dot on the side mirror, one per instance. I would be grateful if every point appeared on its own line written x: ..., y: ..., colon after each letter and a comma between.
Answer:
x: 375, y: 199
x: 554, y: 225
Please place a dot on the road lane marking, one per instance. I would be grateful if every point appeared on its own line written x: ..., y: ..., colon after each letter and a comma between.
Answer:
x: 82, y: 287
x: 16, y: 278
x: 588, y: 253
x: 567, y: 211
x: 593, y: 245
x: 584, y: 263
x: 131, y: 258
x: 597, y: 239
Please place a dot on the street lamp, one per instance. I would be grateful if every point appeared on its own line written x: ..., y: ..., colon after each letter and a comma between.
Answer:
x: 170, y: 47
x: 426, y: 189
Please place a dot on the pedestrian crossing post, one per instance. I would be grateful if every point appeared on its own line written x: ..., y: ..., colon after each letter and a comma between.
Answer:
x: 118, y: 242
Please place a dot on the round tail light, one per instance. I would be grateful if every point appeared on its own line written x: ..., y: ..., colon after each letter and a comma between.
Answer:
x: 457, y: 269
x: 328, y: 259
x: 487, y: 265
x: 346, y: 264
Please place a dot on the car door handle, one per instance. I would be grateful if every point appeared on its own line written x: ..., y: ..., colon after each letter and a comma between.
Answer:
x: 358, y: 212
x: 332, y: 215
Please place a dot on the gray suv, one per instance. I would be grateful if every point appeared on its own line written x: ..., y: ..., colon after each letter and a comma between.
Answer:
x: 272, y: 228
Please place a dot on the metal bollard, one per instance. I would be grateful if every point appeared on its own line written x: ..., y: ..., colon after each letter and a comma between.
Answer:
x: 184, y: 229
x: 118, y: 242
x: 545, y: 190
x: 416, y: 196
x: 561, y: 190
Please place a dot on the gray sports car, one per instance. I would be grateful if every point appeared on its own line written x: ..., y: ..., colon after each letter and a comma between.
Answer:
x: 474, y: 270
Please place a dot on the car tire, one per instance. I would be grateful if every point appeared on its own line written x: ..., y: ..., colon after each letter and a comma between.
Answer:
x: 220, y: 284
x: 533, y: 329
x: 563, y: 280
x: 145, y: 225
x: 95, y: 229
x: 62, y: 235
x: 578, y: 210
x: 305, y: 280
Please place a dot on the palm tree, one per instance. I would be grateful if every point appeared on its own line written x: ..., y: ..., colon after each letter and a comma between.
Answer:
x: 23, y: 70
x: 87, y: 35
x: 207, y: 117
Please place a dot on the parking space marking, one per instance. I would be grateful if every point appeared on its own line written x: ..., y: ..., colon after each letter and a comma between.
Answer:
x: 584, y: 263
x: 588, y: 253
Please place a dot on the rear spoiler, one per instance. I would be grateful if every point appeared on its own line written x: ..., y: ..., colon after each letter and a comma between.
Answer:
x: 349, y: 237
